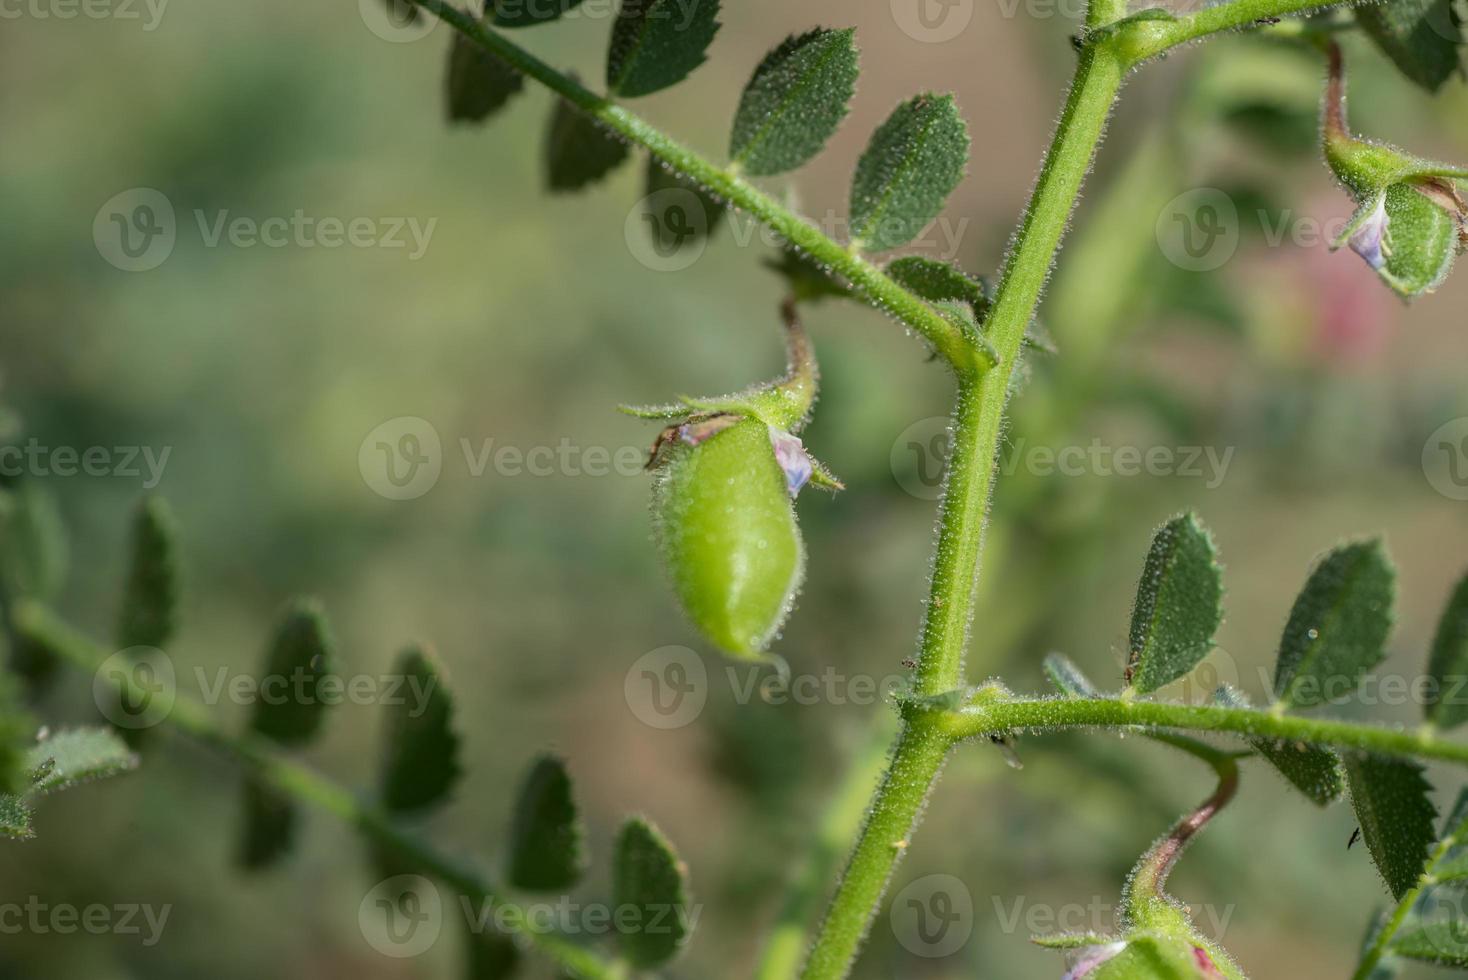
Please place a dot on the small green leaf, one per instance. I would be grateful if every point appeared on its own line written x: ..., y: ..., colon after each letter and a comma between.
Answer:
x: 1420, y: 36
x: 150, y: 599
x: 657, y: 43
x: 547, y: 839
x: 794, y: 102
x: 1067, y: 677
x: 1447, y: 665
x: 808, y: 281
x: 938, y: 281
x: 1338, y: 627
x: 1392, y: 802
x: 33, y: 542
x: 299, y: 669
x: 527, y: 13
x: 491, y: 955
x: 17, y: 736
x: 479, y: 81
x: 649, y: 879
x: 422, y: 753
x: 269, y: 826
x: 15, y: 818
x: 1443, y: 943
x: 78, y: 755
x: 578, y: 149
x: 911, y: 165
x: 1178, y: 606
x: 1312, y: 769
x: 678, y: 211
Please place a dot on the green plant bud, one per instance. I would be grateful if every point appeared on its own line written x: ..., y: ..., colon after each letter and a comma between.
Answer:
x: 1144, y: 957
x: 728, y: 471
x: 1410, y: 221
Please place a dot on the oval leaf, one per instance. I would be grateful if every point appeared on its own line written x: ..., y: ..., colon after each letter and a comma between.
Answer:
x: 1338, y: 627
x: 1311, y: 769
x: 938, y: 281
x: 649, y: 879
x: 150, y: 597
x: 527, y: 13
x: 578, y: 149
x: 547, y: 838
x: 299, y: 667
x: 796, y: 99
x: 1420, y: 36
x: 656, y: 43
x: 1447, y: 698
x: 913, y: 162
x: 479, y: 81
x: 422, y: 752
x: 1391, y: 800
x: 269, y: 826
x: 1178, y: 606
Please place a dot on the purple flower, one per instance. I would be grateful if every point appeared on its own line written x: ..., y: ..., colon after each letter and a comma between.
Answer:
x: 790, y: 454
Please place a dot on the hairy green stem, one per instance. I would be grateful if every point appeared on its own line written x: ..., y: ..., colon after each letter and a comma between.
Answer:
x: 265, y: 761
x: 1389, y: 929
x: 870, y: 282
x: 1048, y: 714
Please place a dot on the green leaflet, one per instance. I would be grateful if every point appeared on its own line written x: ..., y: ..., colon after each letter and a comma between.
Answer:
x: 1178, y: 606
x: 1391, y: 800
x: 912, y: 163
x: 490, y: 955
x: 1440, y: 943
x: 17, y: 735
x: 808, y: 282
x: 677, y: 210
x: 1067, y: 677
x: 299, y: 669
x: 33, y: 543
x: 1420, y: 36
x: 578, y: 149
x: 269, y: 826
x: 937, y: 282
x: 150, y: 598
x: 657, y: 43
x: 527, y: 13
x: 1311, y: 769
x: 478, y: 81
x: 547, y: 837
x: 1447, y: 703
x: 77, y: 755
x: 15, y: 818
x: 649, y: 879
x: 421, y: 762
x: 797, y: 97
x: 1338, y: 627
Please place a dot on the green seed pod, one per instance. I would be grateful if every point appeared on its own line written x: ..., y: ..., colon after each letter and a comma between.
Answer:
x: 725, y: 523
x: 1410, y: 221
x: 727, y: 475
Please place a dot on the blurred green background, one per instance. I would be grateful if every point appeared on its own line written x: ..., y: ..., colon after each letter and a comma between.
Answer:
x: 528, y: 317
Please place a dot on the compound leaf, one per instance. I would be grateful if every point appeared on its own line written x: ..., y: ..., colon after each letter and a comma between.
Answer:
x: 299, y: 667
x: 912, y: 163
x: 1446, y: 704
x: 649, y: 878
x: 1338, y: 627
x: 1392, y: 802
x: 547, y: 838
x: 657, y: 43
x: 422, y: 752
x: 149, y: 612
x: 578, y: 149
x: 1178, y: 607
x: 479, y: 82
x: 795, y: 100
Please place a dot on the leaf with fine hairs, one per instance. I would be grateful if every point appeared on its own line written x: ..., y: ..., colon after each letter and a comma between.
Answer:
x: 1392, y: 802
x: 1178, y: 608
x: 1442, y: 943
x: 1446, y: 705
x: 527, y: 13
x: 33, y: 542
x: 269, y: 826
x: 649, y: 879
x: 1067, y: 677
x: 913, y: 162
x: 578, y: 149
x: 1421, y: 37
x: 421, y: 764
x: 77, y: 755
x: 479, y: 82
x: 150, y: 599
x: 1312, y: 769
x: 299, y: 665
x: 797, y: 97
x: 937, y: 282
x: 547, y: 837
x: 657, y: 43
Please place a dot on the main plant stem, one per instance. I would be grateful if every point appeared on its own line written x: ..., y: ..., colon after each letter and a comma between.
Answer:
x: 923, y: 745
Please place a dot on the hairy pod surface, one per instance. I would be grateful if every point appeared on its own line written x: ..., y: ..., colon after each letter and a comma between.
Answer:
x: 724, y: 516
